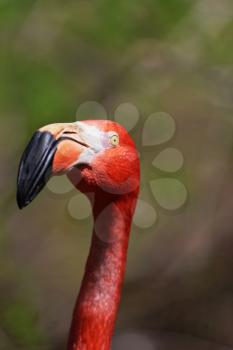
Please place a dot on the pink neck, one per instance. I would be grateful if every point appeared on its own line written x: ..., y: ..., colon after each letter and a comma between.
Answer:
x: 97, y: 305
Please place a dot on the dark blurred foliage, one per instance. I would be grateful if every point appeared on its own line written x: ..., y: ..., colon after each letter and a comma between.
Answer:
x: 173, y: 56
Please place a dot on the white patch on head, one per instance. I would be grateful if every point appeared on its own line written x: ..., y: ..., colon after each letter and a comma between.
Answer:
x: 97, y: 139
x: 86, y: 157
x: 92, y: 136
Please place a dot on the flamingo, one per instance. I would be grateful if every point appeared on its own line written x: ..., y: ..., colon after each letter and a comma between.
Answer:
x: 101, y: 160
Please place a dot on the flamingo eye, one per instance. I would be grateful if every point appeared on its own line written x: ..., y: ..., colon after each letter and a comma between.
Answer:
x: 114, y: 140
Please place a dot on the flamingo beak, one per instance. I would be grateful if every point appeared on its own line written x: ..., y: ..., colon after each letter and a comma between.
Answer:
x: 53, y: 150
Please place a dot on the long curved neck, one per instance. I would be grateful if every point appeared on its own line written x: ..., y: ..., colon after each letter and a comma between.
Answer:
x: 97, y: 305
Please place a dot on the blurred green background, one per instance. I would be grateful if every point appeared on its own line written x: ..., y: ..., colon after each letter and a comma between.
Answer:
x: 174, y: 56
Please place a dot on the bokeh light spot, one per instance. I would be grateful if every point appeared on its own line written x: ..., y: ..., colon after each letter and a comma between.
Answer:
x: 169, y: 160
x: 145, y: 215
x: 170, y: 193
x: 159, y: 128
x: 127, y: 115
x: 79, y: 207
x: 59, y: 185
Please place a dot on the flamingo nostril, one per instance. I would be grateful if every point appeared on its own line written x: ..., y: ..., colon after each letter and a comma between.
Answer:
x: 68, y: 132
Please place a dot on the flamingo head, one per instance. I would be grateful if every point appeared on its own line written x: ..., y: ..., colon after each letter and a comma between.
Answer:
x: 95, y: 155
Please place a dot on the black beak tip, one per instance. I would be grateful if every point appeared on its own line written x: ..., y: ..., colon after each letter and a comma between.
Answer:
x: 35, y: 167
x: 21, y: 201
